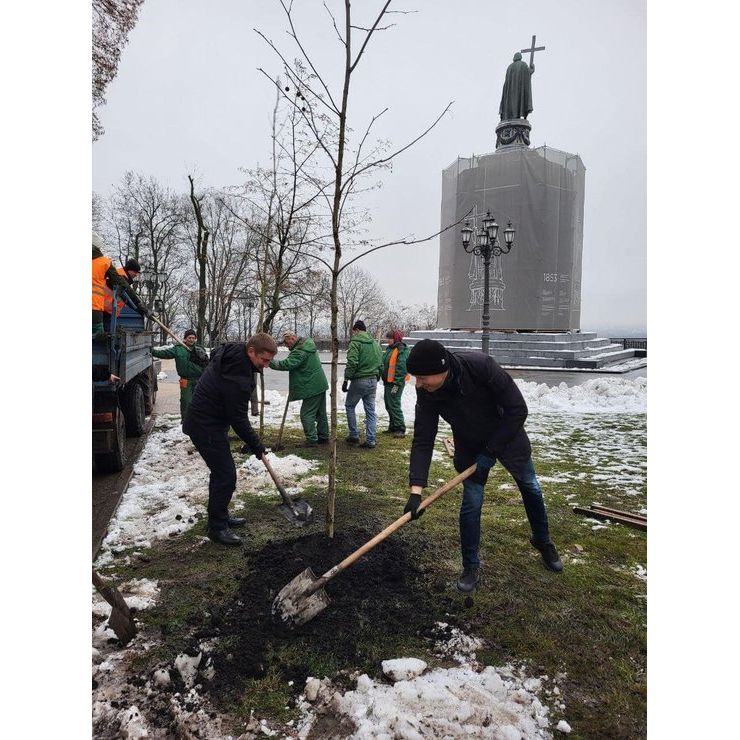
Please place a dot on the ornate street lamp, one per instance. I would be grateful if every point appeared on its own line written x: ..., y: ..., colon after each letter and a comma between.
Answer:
x: 486, y: 244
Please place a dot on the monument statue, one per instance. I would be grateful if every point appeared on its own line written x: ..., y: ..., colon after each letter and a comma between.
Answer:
x: 516, y: 100
x: 516, y: 97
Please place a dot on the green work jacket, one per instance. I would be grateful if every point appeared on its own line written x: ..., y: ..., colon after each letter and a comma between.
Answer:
x: 306, y: 377
x: 399, y: 377
x: 364, y: 357
x: 185, y: 368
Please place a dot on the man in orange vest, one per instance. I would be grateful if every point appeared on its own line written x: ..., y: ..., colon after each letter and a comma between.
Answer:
x: 394, y: 381
x: 130, y: 271
x: 104, y: 275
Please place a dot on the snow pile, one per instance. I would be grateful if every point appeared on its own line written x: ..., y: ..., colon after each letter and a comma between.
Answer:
x: 289, y: 469
x: 168, y: 487
x: 467, y: 700
x: 600, y: 395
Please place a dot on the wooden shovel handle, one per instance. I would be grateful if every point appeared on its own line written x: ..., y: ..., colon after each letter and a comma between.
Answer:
x: 282, y: 424
x: 177, y: 339
x: 278, y: 484
x: 391, y: 528
x: 111, y: 594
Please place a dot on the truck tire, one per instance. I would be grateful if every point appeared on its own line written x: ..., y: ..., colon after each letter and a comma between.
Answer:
x: 113, y: 462
x: 150, y: 394
x: 134, y: 410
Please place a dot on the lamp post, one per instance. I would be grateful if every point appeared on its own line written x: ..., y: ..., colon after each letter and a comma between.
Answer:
x: 486, y: 244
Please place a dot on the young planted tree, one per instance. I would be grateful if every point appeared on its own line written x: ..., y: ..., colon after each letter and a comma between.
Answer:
x: 324, y: 107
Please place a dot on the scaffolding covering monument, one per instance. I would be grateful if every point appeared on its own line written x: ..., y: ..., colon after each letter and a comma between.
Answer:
x: 537, y: 286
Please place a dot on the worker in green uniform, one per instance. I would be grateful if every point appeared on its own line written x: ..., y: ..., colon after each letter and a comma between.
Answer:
x: 394, y: 381
x: 306, y: 382
x: 189, y: 362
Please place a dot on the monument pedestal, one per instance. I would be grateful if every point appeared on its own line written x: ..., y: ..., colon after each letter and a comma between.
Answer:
x: 513, y: 133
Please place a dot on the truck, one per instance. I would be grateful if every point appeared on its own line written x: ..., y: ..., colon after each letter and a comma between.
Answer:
x: 120, y: 408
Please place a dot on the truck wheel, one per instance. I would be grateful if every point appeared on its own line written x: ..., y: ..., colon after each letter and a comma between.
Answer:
x: 150, y: 394
x: 113, y: 462
x: 134, y: 410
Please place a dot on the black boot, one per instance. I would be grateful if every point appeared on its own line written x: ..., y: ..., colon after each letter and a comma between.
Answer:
x: 224, y: 537
x: 469, y: 579
x: 237, y: 521
x: 549, y: 555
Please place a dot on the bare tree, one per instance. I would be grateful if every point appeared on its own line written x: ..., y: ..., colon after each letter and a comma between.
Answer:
x: 359, y: 297
x: 112, y: 21
x: 351, y: 164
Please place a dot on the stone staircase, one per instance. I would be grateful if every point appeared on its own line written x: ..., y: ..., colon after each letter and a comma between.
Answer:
x: 535, y: 349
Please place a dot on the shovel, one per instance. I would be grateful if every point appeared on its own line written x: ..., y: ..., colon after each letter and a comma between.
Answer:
x: 295, y: 510
x: 278, y: 445
x: 121, y: 620
x: 304, y: 597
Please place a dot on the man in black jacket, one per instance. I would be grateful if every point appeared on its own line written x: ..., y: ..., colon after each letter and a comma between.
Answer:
x: 486, y: 411
x: 220, y: 401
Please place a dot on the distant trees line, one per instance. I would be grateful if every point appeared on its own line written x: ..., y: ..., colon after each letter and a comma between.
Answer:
x: 208, y: 265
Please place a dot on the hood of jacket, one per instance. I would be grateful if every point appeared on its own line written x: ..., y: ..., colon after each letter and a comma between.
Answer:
x: 363, y: 337
x: 306, y: 344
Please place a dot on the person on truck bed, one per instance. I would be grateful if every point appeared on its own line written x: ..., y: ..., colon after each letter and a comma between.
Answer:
x: 220, y: 401
x: 129, y: 272
x: 189, y: 364
x: 104, y: 275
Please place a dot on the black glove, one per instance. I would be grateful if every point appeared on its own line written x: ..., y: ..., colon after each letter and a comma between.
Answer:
x: 394, y: 390
x: 345, y: 386
x: 261, y: 450
x: 412, y: 505
x: 199, y: 356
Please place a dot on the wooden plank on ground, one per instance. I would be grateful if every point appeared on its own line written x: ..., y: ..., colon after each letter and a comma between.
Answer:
x: 630, y: 520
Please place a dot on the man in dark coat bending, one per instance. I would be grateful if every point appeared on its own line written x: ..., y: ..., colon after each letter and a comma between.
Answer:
x: 486, y: 411
x: 220, y: 401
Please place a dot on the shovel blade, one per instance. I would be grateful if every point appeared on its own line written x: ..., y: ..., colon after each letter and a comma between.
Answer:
x: 299, y: 514
x: 123, y: 625
x: 300, y: 601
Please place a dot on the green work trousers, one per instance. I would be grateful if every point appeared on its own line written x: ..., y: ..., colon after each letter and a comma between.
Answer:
x: 186, y: 396
x: 396, y: 422
x: 313, y: 418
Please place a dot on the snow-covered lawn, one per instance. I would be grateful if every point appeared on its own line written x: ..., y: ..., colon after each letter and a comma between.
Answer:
x: 601, y: 424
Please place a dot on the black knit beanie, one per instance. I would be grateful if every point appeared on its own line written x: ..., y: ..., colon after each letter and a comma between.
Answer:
x: 189, y: 332
x: 132, y: 265
x: 427, y: 357
x: 360, y: 325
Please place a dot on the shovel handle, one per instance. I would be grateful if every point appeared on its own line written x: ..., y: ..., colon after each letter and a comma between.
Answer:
x: 177, y: 339
x: 279, y: 485
x: 111, y: 594
x: 282, y: 424
x: 391, y: 528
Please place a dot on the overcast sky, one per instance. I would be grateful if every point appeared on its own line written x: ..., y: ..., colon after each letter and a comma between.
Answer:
x: 188, y: 98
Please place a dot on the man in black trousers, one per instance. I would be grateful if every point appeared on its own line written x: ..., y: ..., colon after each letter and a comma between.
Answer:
x: 220, y: 401
x: 486, y: 410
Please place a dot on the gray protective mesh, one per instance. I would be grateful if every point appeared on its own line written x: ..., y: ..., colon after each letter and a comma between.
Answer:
x: 538, y: 284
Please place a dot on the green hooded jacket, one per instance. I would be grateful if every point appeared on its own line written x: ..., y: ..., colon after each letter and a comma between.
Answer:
x: 306, y: 377
x: 364, y: 357
x: 185, y: 368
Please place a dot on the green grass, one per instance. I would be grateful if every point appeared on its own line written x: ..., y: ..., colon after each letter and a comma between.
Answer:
x: 588, y: 623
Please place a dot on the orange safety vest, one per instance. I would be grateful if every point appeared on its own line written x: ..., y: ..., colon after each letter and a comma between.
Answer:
x: 392, y: 367
x: 109, y: 296
x: 100, y: 266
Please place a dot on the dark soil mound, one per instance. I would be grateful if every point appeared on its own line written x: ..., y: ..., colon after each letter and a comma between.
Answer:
x: 383, y: 592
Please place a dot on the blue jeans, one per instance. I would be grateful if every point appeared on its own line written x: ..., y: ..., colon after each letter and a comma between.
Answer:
x: 472, y: 503
x: 362, y: 389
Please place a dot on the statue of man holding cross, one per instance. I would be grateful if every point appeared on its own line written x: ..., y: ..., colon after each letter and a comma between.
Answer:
x: 516, y: 97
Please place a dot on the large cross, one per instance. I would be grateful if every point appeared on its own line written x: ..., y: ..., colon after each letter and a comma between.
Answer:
x: 533, y: 50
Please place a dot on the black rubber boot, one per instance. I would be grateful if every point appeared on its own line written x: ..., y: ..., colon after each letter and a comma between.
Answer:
x: 224, y: 537
x: 469, y: 579
x: 549, y: 555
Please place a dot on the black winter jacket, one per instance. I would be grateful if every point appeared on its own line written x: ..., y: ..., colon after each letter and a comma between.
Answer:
x: 486, y: 411
x: 221, y: 398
